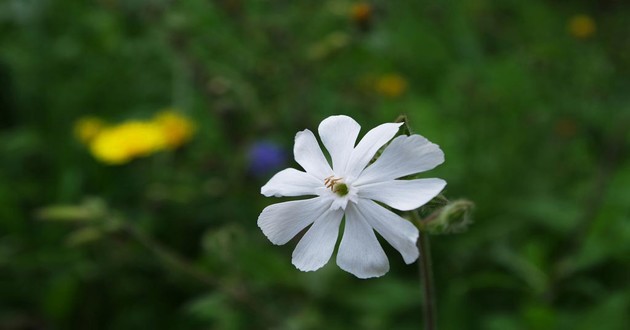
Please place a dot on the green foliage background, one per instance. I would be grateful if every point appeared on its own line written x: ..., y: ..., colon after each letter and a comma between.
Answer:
x: 533, y: 121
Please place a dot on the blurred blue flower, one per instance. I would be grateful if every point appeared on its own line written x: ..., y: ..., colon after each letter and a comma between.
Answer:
x: 265, y: 157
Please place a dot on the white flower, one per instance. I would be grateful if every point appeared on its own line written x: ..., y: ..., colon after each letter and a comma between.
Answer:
x: 351, y: 188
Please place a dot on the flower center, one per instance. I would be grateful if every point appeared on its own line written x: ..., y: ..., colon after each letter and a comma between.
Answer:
x: 336, y: 185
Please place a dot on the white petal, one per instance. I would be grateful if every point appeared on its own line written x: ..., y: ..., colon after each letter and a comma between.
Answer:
x: 315, y: 248
x: 403, y: 195
x: 309, y: 155
x: 360, y: 253
x: 281, y: 222
x: 339, y: 134
x: 291, y: 182
x: 398, y: 232
x: 404, y: 156
x: 368, y: 146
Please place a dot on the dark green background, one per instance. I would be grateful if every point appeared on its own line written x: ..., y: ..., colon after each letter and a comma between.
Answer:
x: 533, y: 121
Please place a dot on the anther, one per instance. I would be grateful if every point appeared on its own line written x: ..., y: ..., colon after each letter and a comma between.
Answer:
x: 331, y: 181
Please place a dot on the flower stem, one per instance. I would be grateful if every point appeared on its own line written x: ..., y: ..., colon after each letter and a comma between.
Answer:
x: 428, y: 286
x: 174, y: 261
x: 425, y: 267
x: 170, y: 259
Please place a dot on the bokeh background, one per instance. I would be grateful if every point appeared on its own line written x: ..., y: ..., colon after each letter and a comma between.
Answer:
x: 529, y: 100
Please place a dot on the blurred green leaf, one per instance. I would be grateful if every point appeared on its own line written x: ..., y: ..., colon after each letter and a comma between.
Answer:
x: 91, y: 209
x: 83, y: 236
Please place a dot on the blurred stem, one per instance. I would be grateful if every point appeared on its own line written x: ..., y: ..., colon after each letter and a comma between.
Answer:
x: 169, y: 258
x: 426, y: 273
x: 173, y: 260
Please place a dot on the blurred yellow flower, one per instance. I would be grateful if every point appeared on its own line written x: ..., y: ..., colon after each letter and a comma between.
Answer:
x: 582, y: 26
x: 176, y: 128
x: 121, y: 143
x: 86, y: 128
x: 391, y: 85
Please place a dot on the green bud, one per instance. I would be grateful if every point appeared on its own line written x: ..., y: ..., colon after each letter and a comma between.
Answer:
x: 455, y: 217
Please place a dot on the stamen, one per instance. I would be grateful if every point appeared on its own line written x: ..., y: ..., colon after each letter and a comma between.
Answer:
x: 336, y: 185
x: 331, y: 181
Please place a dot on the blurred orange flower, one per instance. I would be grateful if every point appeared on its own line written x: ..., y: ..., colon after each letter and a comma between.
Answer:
x: 361, y: 12
x: 391, y: 85
x: 582, y: 26
x: 176, y: 128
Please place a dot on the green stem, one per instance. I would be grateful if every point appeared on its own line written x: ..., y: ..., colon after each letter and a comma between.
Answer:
x: 170, y: 258
x: 428, y: 286
x: 426, y: 275
x: 177, y: 262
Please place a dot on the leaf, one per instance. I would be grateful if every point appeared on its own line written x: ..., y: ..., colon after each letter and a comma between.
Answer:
x: 91, y: 209
x: 83, y: 236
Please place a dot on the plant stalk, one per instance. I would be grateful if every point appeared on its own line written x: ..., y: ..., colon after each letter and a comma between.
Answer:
x: 174, y: 261
x: 425, y: 267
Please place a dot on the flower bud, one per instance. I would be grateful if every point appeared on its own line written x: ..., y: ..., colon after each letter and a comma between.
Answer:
x: 455, y: 217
